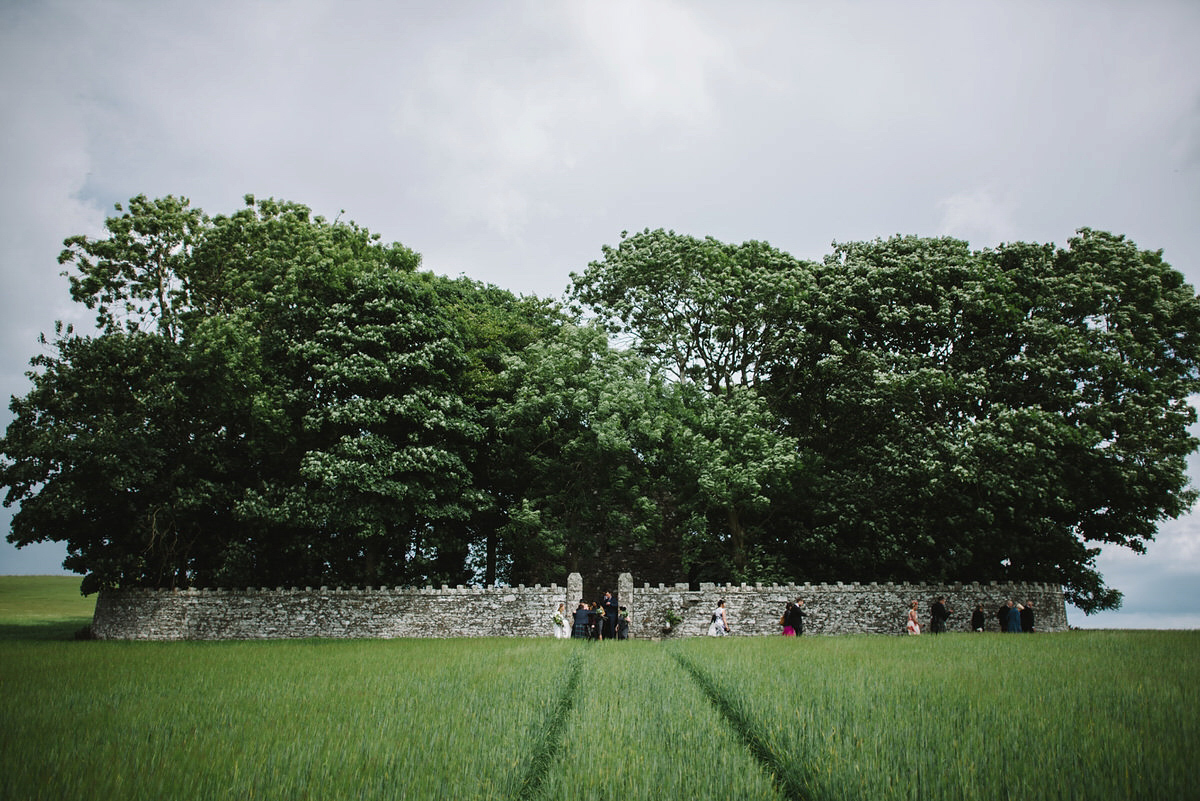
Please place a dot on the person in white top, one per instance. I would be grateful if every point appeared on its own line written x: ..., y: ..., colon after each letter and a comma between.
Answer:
x: 913, y: 627
x: 719, y: 626
x: 562, y: 627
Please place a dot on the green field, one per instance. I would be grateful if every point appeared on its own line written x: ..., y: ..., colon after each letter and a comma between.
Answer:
x: 1080, y: 715
x: 43, y: 607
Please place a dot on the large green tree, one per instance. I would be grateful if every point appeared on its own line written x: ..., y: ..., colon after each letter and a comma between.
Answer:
x: 730, y: 463
x: 139, y: 277
x: 956, y: 414
x: 115, y: 453
x: 496, y: 326
x: 271, y: 397
x: 583, y: 436
x: 376, y: 433
x: 703, y: 312
x: 699, y: 309
x: 289, y: 409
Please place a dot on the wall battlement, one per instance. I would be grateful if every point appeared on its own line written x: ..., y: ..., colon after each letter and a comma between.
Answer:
x: 496, y: 611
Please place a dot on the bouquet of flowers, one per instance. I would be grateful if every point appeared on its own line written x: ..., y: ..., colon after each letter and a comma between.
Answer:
x: 558, y: 619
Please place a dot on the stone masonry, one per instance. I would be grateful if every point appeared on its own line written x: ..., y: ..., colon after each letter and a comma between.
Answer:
x: 753, y: 610
x: 833, y: 608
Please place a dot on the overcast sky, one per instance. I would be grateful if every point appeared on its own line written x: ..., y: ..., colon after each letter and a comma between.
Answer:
x: 510, y: 141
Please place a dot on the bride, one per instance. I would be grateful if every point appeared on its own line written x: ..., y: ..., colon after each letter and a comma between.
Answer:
x: 562, y: 628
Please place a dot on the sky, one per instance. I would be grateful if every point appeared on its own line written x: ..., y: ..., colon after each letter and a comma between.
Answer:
x: 510, y: 141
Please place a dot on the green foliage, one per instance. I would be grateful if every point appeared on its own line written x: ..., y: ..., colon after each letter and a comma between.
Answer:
x: 978, y: 414
x: 699, y: 309
x: 386, y: 433
x: 704, y: 312
x: 731, y: 463
x: 583, y: 431
x: 932, y: 412
x: 140, y: 275
x: 273, y: 398
x: 117, y: 458
x: 294, y: 413
x: 495, y: 327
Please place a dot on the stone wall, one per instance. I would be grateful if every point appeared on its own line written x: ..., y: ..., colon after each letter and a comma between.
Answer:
x: 832, y: 608
x: 286, y: 613
x: 526, y: 611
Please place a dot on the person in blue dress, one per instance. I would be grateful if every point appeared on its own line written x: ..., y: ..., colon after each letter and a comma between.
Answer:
x: 1014, y: 618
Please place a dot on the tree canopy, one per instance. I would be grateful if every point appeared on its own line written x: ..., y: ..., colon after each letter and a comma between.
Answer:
x: 957, y: 414
x: 271, y: 397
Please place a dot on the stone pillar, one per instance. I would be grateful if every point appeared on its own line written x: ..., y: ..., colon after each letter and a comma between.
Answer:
x: 574, y: 591
x: 625, y: 596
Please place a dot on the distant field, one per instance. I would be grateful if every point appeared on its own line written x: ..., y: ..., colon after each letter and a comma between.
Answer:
x: 43, y: 607
x: 1088, y: 715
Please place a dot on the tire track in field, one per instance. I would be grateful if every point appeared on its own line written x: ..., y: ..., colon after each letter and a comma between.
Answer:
x: 789, y: 777
x: 550, y: 742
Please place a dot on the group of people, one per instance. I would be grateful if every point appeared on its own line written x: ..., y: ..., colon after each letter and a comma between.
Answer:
x: 1014, y: 618
x: 605, y: 620
x: 792, y: 620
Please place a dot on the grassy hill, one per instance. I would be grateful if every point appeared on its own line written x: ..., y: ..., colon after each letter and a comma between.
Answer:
x: 43, y: 607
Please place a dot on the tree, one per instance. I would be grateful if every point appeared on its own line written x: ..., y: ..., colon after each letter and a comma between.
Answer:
x: 876, y: 375
x: 111, y: 452
x: 953, y: 414
x: 495, y: 327
x: 702, y: 312
x: 977, y: 414
x: 139, y: 274
x: 385, y: 438
x: 357, y: 436
x: 271, y: 397
x: 582, y: 437
x: 698, y: 309
x: 731, y: 462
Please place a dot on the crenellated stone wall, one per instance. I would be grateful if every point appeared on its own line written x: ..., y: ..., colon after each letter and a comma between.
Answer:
x: 833, y: 608
x: 287, y: 613
x: 527, y: 611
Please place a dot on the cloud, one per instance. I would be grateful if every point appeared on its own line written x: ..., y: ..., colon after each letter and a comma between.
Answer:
x: 505, y: 113
x: 977, y: 217
x: 45, y: 160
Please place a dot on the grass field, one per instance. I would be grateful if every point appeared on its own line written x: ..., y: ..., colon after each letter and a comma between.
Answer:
x: 43, y: 607
x: 1080, y: 715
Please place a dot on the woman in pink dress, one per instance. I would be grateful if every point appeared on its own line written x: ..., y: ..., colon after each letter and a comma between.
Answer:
x: 913, y: 626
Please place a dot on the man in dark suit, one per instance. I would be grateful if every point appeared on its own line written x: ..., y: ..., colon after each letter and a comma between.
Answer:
x: 1027, y: 617
x: 610, y: 615
x: 938, y: 615
x: 794, y: 616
